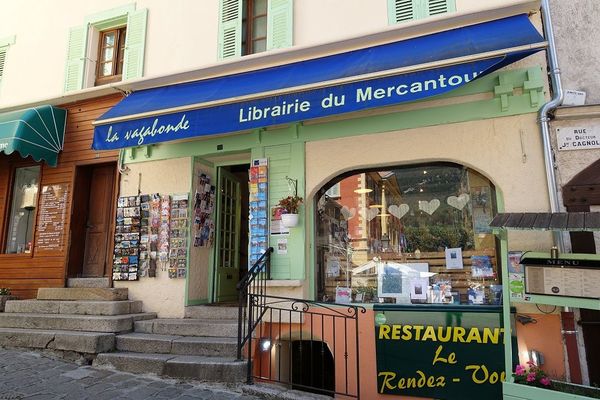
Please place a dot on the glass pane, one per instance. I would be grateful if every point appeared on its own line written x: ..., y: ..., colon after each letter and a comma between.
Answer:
x: 259, y: 28
x: 106, y: 69
x: 109, y: 39
x: 260, y: 45
x: 408, y: 235
x: 260, y: 7
x: 22, y: 210
x: 108, y: 54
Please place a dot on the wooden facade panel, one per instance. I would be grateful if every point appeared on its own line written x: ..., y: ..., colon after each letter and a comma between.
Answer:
x: 25, y: 274
x: 32, y: 273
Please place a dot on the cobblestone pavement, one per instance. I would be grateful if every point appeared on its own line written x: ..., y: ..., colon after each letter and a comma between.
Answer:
x: 29, y: 375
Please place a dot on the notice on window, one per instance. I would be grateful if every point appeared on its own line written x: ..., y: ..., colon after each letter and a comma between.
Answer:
x: 51, y: 217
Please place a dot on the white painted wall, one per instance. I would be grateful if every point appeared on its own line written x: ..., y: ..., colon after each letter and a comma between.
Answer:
x: 181, y: 35
x: 577, y: 32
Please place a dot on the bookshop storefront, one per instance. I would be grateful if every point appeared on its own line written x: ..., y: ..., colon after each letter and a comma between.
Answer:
x: 402, y: 159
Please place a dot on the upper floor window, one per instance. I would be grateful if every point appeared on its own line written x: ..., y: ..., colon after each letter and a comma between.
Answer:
x: 409, y: 10
x: 108, y: 47
x: 111, y: 54
x: 254, y: 26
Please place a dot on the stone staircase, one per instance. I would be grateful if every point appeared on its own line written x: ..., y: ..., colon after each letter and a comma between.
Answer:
x: 201, y: 346
x: 75, y: 322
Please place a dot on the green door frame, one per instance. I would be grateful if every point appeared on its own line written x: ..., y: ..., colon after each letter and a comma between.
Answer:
x: 212, y: 290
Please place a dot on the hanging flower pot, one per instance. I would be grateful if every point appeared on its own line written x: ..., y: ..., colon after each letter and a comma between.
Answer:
x: 290, y: 204
x: 289, y: 220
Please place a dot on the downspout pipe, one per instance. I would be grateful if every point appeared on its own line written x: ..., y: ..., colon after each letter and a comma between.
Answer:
x: 544, y: 116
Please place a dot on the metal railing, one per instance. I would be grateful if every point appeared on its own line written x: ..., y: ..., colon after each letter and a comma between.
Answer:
x: 255, y: 281
x: 306, y: 345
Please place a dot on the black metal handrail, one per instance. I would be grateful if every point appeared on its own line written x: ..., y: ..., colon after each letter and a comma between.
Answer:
x: 307, y: 340
x: 255, y: 281
x: 307, y: 345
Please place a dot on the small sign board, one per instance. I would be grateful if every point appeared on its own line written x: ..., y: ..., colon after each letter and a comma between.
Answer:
x: 562, y: 277
x: 578, y: 138
x: 439, y: 354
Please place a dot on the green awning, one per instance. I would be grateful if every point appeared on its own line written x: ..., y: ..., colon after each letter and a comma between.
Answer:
x: 37, y: 132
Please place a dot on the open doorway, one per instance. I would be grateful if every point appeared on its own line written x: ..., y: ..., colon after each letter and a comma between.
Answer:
x: 231, y: 244
x: 91, y: 220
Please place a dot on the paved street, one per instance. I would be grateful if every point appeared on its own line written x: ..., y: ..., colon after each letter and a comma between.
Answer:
x: 29, y: 375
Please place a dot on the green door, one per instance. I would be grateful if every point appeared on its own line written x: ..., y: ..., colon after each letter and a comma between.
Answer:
x: 228, y: 236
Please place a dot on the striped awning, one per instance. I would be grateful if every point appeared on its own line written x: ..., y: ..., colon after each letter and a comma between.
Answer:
x: 37, y: 132
x: 566, y: 221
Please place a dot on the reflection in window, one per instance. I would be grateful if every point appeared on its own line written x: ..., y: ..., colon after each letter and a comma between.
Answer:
x: 22, y: 210
x: 408, y: 235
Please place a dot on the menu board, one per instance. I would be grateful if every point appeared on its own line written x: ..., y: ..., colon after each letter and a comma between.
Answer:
x: 51, y: 217
x: 556, y: 281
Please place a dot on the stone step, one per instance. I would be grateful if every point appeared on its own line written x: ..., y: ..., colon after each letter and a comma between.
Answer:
x: 171, y: 344
x: 88, y: 282
x: 69, y: 322
x: 81, y: 342
x: 188, y: 327
x: 211, y: 312
x: 98, y: 294
x: 215, y: 369
x: 82, y: 307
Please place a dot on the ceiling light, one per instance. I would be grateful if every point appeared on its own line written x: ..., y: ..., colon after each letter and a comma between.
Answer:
x: 363, y: 191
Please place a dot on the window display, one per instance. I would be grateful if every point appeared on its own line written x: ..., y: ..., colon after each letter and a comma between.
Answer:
x: 22, y: 209
x: 408, y: 235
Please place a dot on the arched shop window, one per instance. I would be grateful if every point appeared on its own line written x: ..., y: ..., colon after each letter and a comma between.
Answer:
x: 408, y: 235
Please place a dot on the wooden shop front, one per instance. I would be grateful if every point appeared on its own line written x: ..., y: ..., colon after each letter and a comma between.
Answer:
x: 56, y: 197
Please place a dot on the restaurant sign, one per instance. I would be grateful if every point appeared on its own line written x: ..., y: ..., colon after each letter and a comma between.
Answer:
x: 440, y: 354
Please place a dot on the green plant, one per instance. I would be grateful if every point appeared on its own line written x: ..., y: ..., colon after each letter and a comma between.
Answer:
x: 290, y: 204
x: 4, y: 292
x: 531, y: 375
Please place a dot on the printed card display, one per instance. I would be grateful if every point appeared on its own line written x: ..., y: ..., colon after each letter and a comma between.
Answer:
x: 204, y: 205
x: 178, y: 236
x: 258, y: 219
x: 127, y: 239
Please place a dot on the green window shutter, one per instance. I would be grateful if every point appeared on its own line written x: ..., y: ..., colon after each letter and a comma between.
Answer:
x: 76, y: 55
x: 402, y: 11
x: 436, y: 7
x: 280, y: 24
x: 230, y: 29
x: 135, y: 40
x: 2, y: 61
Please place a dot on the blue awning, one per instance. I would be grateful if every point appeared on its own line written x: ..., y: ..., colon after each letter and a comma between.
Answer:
x: 382, y: 75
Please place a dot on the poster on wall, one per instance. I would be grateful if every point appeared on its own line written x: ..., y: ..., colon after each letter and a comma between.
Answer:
x: 127, y: 239
x: 516, y: 276
x: 51, y: 217
x: 277, y: 227
x: 258, y: 219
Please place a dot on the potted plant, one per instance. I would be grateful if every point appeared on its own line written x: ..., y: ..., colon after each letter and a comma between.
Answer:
x: 531, y: 383
x: 4, y: 296
x: 290, y: 206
